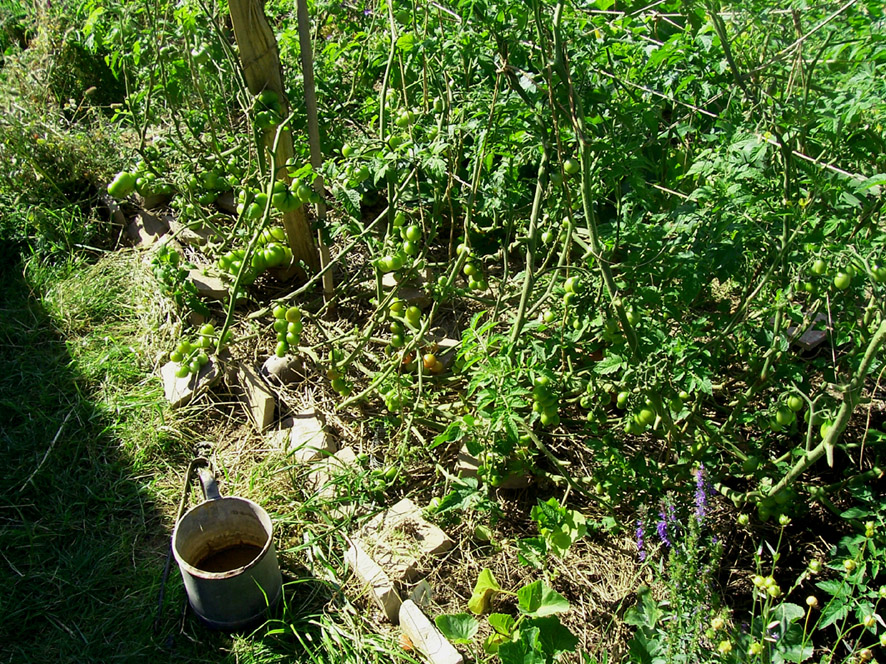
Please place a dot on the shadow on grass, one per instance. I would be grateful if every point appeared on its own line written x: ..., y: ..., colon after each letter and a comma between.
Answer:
x: 90, y: 470
x: 82, y: 542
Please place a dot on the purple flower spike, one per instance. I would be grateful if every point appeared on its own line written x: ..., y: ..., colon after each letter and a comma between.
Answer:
x: 641, y: 551
x: 701, y: 494
x: 662, y: 529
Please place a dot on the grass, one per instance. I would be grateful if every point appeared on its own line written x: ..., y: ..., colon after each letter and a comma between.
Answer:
x: 90, y: 480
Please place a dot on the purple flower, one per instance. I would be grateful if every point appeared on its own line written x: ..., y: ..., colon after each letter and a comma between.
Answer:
x: 701, y: 494
x: 662, y: 529
x: 367, y: 11
x: 641, y: 551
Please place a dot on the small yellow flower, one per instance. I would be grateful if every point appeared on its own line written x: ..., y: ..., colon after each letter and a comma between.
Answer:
x: 724, y: 648
x: 812, y: 602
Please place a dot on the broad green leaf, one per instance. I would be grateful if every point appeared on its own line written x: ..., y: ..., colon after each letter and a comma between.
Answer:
x: 788, y: 612
x: 532, y: 551
x: 855, y: 513
x: 458, y: 628
x: 502, y: 623
x: 526, y: 650
x: 484, y: 590
x: 554, y: 636
x: 538, y: 600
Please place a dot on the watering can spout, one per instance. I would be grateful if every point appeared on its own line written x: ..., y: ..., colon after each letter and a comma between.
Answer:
x: 208, y: 484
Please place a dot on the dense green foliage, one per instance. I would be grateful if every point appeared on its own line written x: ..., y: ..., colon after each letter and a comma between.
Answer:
x: 655, y: 231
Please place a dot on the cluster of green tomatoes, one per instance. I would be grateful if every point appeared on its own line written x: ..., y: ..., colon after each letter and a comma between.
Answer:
x: 405, y: 250
x: 472, y: 270
x: 191, y: 355
x: 141, y: 180
x: 404, y: 320
x: 338, y: 381
x: 288, y: 326
x: 545, y: 401
x: 270, y: 252
x: 268, y: 109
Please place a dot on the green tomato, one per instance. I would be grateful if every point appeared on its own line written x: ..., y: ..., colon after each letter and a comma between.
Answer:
x: 293, y: 315
x: 571, y: 166
x: 347, y: 150
x: 646, y: 416
x: 842, y: 280
x: 413, y: 315
x: 413, y: 233
x: 825, y: 428
x: 819, y: 267
x: 795, y: 403
x: 784, y: 416
x: 547, y: 237
x: 573, y: 285
x: 122, y: 185
x: 621, y: 399
x: 549, y: 419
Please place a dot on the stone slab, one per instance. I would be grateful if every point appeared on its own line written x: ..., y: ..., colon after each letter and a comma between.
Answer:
x: 308, y: 438
x: 146, y: 229
x: 282, y: 370
x: 226, y: 202
x: 409, y: 293
x: 399, y: 538
x: 154, y: 201
x: 467, y: 465
x: 196, y: 235
x: 425, y: 636
x: 179, y: 391
x: 259, y: 401
x: 422, y: 594
x: 375, y: 581
x: 324, y: 472
x: 208, y: 284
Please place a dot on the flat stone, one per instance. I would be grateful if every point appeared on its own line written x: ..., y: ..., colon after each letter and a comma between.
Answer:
x: 260, y: 403
x: 208, y: 284
x: 282, y: 370
x: 113, y: 207
x: 409, y: 293
x: 399, y: 538
x: 375, y: 581
x: 180, y: 391
x: 323, y: 473
x: 277, y: 439
x: 194, y: 235
x: 225, y: 202
x: 308, y: 438
x: 446, y: 351
x: 425, y: 636
x: 154, y: 201
x: 467, y: 465
x: 146, y: 229
x: 421, y: 594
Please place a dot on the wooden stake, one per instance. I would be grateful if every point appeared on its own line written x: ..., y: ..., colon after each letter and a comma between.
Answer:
x: 260, y: 60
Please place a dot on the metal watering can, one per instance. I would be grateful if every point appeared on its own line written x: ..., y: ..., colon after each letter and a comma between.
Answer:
x: 224, y: 548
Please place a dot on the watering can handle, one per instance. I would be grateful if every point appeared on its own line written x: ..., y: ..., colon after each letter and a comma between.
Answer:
x: 208, y: 484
